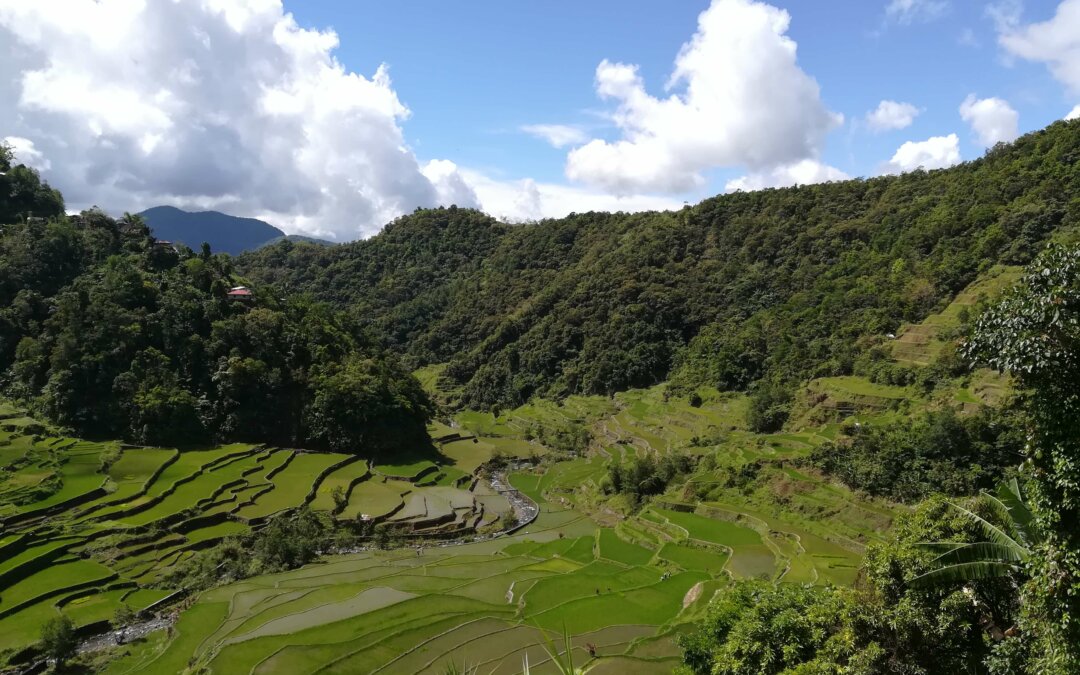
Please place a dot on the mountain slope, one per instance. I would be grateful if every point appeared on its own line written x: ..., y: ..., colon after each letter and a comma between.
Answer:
x: 779, y: 285
x: 224, y: 233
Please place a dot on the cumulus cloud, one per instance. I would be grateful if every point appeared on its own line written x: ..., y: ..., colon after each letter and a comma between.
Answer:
x: 722, y: 115
x: 1055, y: 42
x: 1074, y: 114
x: 910, y: 11
x: 450, y: 185
x: 891, y: 115
x: 26, y: 153
x: 226, y: 104
x: 557, y: 135
x: 806, y: 172
x: 937, y: 152
x: 992, y: 119
x: 517, y: 201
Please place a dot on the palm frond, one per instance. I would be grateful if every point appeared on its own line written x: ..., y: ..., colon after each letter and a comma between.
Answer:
x: 992, y: 532
x: 1012, y: 496
x: 963, y: 573
x: 982, y: 551
x: 940, y: 547
x: 1007, y: 549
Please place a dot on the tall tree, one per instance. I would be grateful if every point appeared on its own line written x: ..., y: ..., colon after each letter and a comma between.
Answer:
x: 1034, y: 333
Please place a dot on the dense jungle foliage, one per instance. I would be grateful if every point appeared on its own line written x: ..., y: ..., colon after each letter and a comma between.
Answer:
x: 778, y: 284
x: 939, y: 451
x: 108, y: 332
x: 1007, y: 594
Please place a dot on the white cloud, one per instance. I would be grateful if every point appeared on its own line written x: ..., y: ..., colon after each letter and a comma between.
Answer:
x: 1074, y: 114
x: 937, y: 152
x: 992, y: 119
x: 449, y: 183
x: 806, y: 172
x: 910, y: 11
x: 723, y: 115
x: 1055, y: 42
x: 558, y: 135
x: 26, y: 153
x: 526, y: 200
x: 223, y: 104
x: 1005, y: 14
x: 891, y: 115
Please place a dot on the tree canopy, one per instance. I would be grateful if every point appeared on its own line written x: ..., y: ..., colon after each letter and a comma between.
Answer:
x: 776, y: 285
x: 111, y: 333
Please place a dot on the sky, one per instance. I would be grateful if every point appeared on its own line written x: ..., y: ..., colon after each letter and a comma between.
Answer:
x: 332, y: 117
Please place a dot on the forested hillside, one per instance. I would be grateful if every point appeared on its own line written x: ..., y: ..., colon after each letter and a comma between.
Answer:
x: 109, y: 332
x: 774, y: 286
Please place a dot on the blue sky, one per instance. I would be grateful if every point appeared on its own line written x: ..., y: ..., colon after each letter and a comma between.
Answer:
x: 474, y: 73
x: 331, y: 118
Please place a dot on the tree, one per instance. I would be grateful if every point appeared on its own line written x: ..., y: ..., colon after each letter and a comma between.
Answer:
x: 7, y: 155
x: 1005, y: 552
x: 341, y: 499
x: 365, y: 405
x: 1034, y: 333
x: 58, y: 639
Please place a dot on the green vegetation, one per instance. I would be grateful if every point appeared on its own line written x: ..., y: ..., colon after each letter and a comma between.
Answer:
x: 750, y: 427
x: 938, y: 451
x: 58, y: 639
x: 106, y: 331
x: 777, y: 285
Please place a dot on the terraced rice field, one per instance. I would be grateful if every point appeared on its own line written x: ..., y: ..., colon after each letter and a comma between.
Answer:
x: 919, y: 344
x: 489, y: 603
x: 87, y: 527
x: 126, y: 517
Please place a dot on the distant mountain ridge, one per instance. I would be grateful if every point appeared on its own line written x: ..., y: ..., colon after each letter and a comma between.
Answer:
x: 224, y: 233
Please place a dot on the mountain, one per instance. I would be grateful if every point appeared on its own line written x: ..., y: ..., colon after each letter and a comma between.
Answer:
x: 767, y: 287
x: 224, y: 233
x: 298, y: 239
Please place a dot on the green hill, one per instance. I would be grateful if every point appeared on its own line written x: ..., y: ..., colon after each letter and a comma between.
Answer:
x: 777, y: 285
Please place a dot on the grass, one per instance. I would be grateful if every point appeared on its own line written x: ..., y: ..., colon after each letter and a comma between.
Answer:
x: 291, y: 485
x: 406, y: 471
x: 614, y: 548
x: 654, y: 604
x: 134, y: 468
x: 52, y: 579
x: 194, y: 625
x: 135, y: 656
x: 712, y: 530
x: 845, y: 387
x: 373, y: 498
x: 219, y: 531
x: 343, y: 479
x: 79, y: 473
x: 695, y: 559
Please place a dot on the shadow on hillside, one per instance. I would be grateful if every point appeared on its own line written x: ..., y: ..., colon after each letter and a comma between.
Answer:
x: 410, y: 450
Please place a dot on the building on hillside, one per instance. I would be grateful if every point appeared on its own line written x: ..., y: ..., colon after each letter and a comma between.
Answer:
x: 241, y: 293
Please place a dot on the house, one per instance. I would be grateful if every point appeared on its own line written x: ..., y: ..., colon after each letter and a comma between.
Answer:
x: 241, y: 293
x: 163, y: 245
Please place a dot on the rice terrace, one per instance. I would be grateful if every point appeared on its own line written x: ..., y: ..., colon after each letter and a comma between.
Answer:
x: 713, y: 337
x: 453, y: 588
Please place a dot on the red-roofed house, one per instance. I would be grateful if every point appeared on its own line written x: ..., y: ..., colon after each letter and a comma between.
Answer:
x: 240, y: 293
